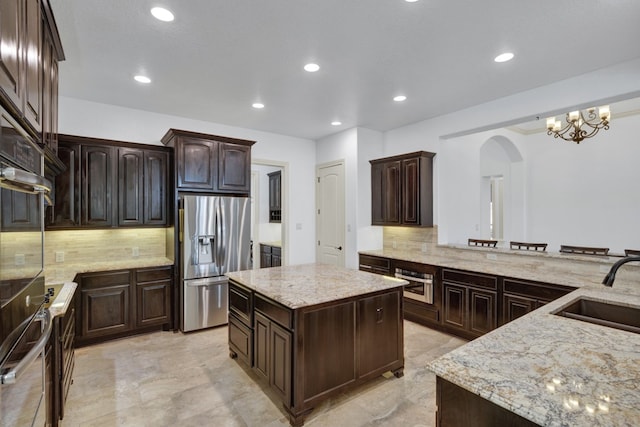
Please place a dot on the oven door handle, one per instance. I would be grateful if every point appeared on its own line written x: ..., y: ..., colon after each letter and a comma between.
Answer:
x: 414, y: 279
x: 12, y: 376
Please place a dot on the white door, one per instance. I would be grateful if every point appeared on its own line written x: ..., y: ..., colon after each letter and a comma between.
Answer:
x: 330, y: 214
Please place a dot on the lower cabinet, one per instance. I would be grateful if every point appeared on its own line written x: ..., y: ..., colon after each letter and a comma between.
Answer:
x: 272, y: 355
x: 519, y: 297
x: 270, y: 256
x: 469, y: 303
x: 63, y: 361
x: 117, y: 303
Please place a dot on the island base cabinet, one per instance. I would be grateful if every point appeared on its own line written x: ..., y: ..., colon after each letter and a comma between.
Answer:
x: 272, y: 356
x: 457, y: 407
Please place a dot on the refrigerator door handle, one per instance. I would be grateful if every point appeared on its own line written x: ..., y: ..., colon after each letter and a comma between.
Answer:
x: 220, y: 240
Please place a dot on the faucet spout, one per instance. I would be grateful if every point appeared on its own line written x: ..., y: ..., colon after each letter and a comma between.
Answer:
x: 611, y: 275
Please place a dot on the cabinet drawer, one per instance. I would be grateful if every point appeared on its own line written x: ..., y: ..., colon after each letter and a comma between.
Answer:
x: 421, y: 310
x: 153, y: 274
x: 265, y: 249
x: 241, y: 339
x: 274, y: 311
x: 103, y: 279
x: 474, y: 279
x: 543, y: 291
x: 276, y: 251
x: 375, y: 265
x: 240, y: 303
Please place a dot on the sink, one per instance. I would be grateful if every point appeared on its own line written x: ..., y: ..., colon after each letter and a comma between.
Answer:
x: 603, y: 313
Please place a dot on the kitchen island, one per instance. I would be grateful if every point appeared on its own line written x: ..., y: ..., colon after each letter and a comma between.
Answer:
x: 544, y: 369
x: 312, y: 331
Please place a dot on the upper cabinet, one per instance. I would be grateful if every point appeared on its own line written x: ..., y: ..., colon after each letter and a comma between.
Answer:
x: 210, y: 163
x: 110, y: 184
x: 29, y: 55
x: 275, y: 196
x: 402, y: 190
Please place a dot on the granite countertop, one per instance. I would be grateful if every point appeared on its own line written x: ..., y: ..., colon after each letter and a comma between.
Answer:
x: 310, y: 284
x: 568, y: 270
x: 63, y: 297
x: 553, y: 370
x: 66, y: 272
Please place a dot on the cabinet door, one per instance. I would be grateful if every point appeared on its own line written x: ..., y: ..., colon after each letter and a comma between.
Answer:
x: 195, y: 159
x: 280, y: 361
x: 377, y: 208
x: 130, y: 186
x: 66, y: 211
x: 391, y: 192
x: 261, y: 346
x: 378, y: 316
x: 454, y: 306
x: 265, y: 256
x: 20, y: 211
x: 11, y: 28
x: 155, y: 188
x: 276, y: 257
x: 105, y: 311
x: 275, y: 197
x: 33, y: 64
x: 153, y: 303
x: 483, y: 316
x: 98, y: 171
x: 411, y: 191
x: 514, y: 306
x: 234, y: 168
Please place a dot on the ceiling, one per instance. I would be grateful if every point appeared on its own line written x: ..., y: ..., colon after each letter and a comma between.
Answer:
x: 219, y: 56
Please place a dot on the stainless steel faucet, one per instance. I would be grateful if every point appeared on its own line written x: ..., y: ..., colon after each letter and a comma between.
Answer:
x: 611, y: 275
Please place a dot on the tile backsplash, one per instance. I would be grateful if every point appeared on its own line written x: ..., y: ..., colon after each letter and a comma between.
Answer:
x: 85, y: 246
x: 410, y: 238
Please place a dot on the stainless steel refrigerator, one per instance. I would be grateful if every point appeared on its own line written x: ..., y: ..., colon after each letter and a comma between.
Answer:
x: 215, y: 236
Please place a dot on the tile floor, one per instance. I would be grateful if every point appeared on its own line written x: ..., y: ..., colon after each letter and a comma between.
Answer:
x: 175, y: 379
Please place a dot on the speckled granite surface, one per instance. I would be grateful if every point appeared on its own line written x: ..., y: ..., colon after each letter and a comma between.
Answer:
x: 310, y: 284
x: 569, y: 270
x: 553, y: 370
x: 62, y: 298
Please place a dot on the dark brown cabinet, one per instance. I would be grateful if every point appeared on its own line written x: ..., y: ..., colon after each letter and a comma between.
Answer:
x: 519, y: 297
x: 275, y: 196
x: 64, y: 361
x: 272, y: 347
x: 113, y: 304
x: 374, y: 264
x: 98, y: 182
x: 29, y: 56
x: 20, y: 211
x: 153, y: 296
x: 270, y: 256
x: 110, y: 184
x: 402, y: 190
x: 379, y: 316
x: 142, y: 187
x: 469, y: 303
x: 241, y: 323
x: 210, y: 163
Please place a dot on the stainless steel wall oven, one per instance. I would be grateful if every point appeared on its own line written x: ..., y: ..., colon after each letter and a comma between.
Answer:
x: 25, y: 323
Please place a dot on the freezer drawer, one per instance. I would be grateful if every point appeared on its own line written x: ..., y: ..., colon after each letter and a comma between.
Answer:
x: 205, y: 303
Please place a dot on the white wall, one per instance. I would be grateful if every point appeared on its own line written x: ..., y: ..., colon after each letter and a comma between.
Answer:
x: 79, y: 117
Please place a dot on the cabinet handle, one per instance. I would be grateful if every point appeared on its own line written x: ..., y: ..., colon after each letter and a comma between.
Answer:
x: 379, y: 313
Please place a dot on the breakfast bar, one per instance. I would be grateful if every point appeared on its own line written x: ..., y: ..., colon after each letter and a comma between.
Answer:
x: 312, y: 331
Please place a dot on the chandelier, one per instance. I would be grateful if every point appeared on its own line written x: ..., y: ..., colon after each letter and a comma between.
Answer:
x: 578, y: 127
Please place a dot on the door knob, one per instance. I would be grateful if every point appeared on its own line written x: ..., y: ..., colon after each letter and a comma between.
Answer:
x: 339, y: 248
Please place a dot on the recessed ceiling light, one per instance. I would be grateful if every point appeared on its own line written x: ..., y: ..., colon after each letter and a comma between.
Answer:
x: 336, y: 123
x: 162, y: 14
x: 257, y: 105
x: 504, y: 57
x: 142, y: 79
x: 399, y: 98
x: 411, y: 1
x: 312, y: 68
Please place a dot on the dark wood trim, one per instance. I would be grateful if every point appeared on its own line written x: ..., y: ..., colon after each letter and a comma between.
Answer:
x: 86, y: 140
x: 171, y: 133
